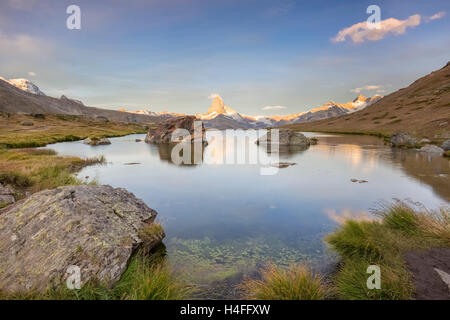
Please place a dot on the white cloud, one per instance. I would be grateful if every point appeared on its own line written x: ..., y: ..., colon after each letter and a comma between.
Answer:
x: 438, y: 15
x: 368, y: 88
x: 360, y: 32
x: 32, y: 74
x: 273, y: 107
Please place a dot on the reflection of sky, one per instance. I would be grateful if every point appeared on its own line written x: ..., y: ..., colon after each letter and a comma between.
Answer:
x: 224, y: 203
x: 237, y: 194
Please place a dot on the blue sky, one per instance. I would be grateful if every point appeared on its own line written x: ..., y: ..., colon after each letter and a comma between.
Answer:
x: 173, y: 54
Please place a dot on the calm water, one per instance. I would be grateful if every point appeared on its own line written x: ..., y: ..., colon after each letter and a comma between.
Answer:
x: 225, y: 221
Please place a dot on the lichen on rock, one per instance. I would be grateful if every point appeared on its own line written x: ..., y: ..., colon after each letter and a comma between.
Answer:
x: 95, y: 228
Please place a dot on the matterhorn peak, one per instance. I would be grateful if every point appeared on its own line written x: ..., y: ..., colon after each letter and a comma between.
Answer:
x: 217, y: 104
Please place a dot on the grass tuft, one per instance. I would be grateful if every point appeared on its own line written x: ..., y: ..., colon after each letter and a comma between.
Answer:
x: 146, y: 278
x: 382, y: 243
x: 295, y: 283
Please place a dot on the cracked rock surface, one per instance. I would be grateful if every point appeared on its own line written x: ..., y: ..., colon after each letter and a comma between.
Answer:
x: 92, y: 227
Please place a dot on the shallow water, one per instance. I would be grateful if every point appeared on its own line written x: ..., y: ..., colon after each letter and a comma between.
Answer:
x: 225, y: 221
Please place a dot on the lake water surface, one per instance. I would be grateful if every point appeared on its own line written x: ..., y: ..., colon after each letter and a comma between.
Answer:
x: 225, y: 221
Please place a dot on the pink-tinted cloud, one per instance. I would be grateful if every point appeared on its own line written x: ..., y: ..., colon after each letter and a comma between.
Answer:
x: 368, y: 87
x: 273, y: 107
x: 437, y: 16
x: 360, y: 32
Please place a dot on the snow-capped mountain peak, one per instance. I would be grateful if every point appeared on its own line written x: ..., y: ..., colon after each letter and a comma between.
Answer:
x: 25, y: 85
x: 220, y: 116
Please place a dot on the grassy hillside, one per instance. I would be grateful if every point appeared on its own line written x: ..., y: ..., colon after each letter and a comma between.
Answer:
x: 23, y: 131
x: 422, y: 109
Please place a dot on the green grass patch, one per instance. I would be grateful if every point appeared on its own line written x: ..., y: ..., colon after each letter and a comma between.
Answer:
x: 294, y: 283
x: 381, y: 242
x: 33, y: 170
x: 148, y: 277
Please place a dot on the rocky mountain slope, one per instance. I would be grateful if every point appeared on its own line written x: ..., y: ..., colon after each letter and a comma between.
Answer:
x: 421, y: 109
x: 25, y: 85
x: 221, y: 116
x: 25, y: 98
x: 22, y: 96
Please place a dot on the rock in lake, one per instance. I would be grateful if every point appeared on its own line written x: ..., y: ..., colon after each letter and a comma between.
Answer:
x: 446, y: 145
x: 430, y: 148
x: 403, y: 140
x: 282, y: 165
x: 96, y: 228
x: 286, y: 137
x: 6, y: 196
x: 97, y: 142
x: 190, y: 125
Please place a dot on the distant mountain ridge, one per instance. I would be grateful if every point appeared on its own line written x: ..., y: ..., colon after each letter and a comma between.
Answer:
x: 26, y: 97
x: 25, y: 85
x: 421, y: 109
x: 221, y: 116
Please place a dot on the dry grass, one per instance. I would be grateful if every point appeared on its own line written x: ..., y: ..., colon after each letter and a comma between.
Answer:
x: 382, y: 243
x: 146, y: 278
x: 33, y: 170
x: 294, y: 283
x: 57, y: 128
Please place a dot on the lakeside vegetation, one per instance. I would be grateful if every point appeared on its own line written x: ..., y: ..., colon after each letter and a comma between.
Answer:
x: 359, y: 244
x: 294, y: 283
x: 27, y: 131
x: 148, y: 277
x: 28, y: 170
x: 33, y: 170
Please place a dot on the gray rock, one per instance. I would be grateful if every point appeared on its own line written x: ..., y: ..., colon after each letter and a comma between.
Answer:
x: 163, y: 133
x: 424, y: 141
x: 287, y: 137
x: 95, y: 228
x: 282, y: 165
x: 403, y: 140
x: 446, y: 145
x: 6, y: 196
x: 96, y: 142
x: 430, y: 148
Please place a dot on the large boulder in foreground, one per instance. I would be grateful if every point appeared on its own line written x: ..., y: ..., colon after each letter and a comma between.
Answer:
x: 6, y: 196
x: 287, y: 137
x: 163, y: 133
x: 96, y: 228
x: 403, y: 140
